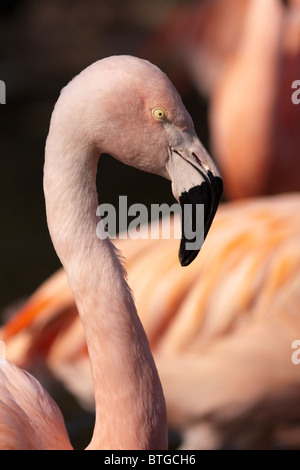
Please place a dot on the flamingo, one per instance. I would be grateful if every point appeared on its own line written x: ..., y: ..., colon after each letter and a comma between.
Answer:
x: 244, y: 55
x: 220, y: 331
x: 128, y: 108
x: 254, y: 96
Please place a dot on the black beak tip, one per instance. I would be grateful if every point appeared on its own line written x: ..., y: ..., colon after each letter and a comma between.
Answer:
x: 219, y: 188
x: 186, y: 257
x: 208, y: 194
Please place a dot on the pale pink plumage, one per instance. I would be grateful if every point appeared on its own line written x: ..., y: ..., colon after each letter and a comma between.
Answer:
x: 29, y: 417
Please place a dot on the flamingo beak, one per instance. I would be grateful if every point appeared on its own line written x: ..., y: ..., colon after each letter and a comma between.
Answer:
x: 198, y: 186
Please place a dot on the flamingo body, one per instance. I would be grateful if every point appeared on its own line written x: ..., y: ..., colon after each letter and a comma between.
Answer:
x: 26, y: 412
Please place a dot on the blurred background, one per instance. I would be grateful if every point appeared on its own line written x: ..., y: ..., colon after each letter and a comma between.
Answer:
x: 233, y: 62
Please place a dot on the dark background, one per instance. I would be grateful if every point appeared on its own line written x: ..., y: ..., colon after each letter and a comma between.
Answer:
x: 42, y: 46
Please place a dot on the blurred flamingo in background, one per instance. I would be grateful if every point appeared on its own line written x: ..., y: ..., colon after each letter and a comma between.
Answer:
x: 107, y: 108
x: 254, y: 123
x: 220, y: 330
x: 244, y: 56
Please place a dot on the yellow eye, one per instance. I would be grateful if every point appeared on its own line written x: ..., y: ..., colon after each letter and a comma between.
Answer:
x: 159, y: 113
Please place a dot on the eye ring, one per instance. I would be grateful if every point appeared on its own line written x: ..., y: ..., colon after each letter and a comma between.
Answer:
x: 159, y: 114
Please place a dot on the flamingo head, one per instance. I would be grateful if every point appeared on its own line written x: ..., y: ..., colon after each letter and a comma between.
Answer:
x: 128, y: 108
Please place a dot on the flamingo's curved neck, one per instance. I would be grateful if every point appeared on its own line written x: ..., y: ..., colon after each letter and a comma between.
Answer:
x: 243, y: 106
x: 130, y: 407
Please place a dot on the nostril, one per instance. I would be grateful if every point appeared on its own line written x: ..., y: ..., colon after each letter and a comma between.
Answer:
x: 203, y: 164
